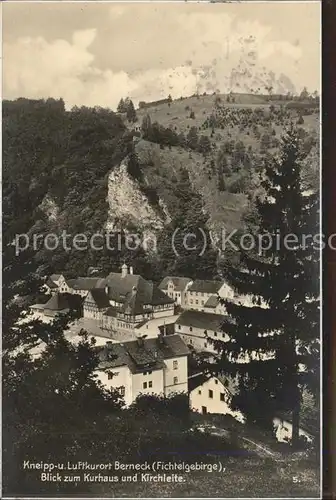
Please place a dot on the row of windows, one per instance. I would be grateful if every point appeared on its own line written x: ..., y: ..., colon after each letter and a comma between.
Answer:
x: 215, y: 334
x: 202, y: 294
x: 196, y: 302
x: 211, y: 395
x: 147, y: 384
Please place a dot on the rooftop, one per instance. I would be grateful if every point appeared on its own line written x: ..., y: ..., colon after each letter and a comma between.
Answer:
x: 206, y: 286
x: 200, y: 319
x: 179, y: 282
x: 142, y: 353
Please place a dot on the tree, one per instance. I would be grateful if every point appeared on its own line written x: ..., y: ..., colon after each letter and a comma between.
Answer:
x: 169, y: 100
x: 192, y: 138
x: 146, y: 126
x: 277, y: 326
x: 204, y: 144
x: 121, y: 106
x: 130, y: 112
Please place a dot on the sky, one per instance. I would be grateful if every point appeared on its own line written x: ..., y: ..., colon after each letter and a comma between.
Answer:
x: 95, y: 53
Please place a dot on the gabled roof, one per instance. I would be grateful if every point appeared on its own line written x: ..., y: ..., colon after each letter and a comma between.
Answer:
x: 99, y: 297
x: 206, y: 286
x: 55, y: 277
x: 56, y: 303
x: 227, y: 382
x: 134, y: 292
x: 179, y: 282
x: 212, y: 302
x: 86, y: 283
x: 140, y: 354
x: 200, y: 319
x: 50, y: 283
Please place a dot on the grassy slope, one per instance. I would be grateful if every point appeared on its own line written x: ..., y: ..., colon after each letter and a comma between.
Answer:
x: 225, y: 208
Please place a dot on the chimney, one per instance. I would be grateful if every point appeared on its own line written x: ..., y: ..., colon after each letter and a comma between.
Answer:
x: 123, y: 270
x: 131, y: 270
x: 108, y: 348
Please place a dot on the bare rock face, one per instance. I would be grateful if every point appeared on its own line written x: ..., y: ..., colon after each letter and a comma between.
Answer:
x: 128, y: 205
x: 50, y: 208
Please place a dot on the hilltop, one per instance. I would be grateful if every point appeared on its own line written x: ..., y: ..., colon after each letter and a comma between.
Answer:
x: 195, y: 162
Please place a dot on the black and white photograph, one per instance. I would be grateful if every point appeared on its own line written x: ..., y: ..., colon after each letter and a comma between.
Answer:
x: 162, y: 242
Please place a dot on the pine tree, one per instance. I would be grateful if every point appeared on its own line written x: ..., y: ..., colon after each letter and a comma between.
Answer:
x: 280, y: 322
x: 121, y: 106
x: 130, y: 112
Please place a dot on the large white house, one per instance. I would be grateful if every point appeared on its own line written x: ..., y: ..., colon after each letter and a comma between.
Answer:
x: 203, y: 295
x: 197, y: 327
x: 145, y: 366
x: 176, y: 288
x: 133, y: 301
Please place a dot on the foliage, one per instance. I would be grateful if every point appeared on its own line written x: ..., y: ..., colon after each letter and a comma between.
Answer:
x: 282, y: 281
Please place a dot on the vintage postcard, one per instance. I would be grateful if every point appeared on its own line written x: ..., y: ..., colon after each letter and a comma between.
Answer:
x: 161, y: 322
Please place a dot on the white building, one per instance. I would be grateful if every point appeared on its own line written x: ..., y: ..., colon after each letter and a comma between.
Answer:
x: 213, y: 394
x: 176, y: 287
x: 56, y: 305
x: 197, y: 327
x: 133, y: 301
x: 200, y: 292
x: 145, y: 366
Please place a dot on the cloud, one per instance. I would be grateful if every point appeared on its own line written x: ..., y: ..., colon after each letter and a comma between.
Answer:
x: 163, y: 52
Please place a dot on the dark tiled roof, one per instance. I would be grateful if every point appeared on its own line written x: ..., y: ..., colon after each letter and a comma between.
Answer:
x: 57, y: 303
x: 200, y: 379
x: 212, y: 301
x: 85, y: 283
x: 196, y: 381
x: 206, y: 286
x: 179, y: 282
x: 55, y: 277
x: 50, y: 283
x: 134, y: 292
x: 199, y: 319
x: 100, y: 297
x: 138, y: 355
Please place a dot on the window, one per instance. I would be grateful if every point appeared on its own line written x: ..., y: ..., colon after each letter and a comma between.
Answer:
x: 222, y: 397
x: 196, y: 301
x: 175, y: 365
x: 150, y: 384
x: 191, y: 302
x: 175, y: 380
x: 215, y: 334
x: 147, y: 373
x: 199, y: 392
x: 179, y: 327
x: 205, y: 344
x: 122, y: 390
x: 109, y: 375
x: 216, y: 381
x: 205, y: 332
x: 190, y: 329
x: 144, y: 385
x: 210, y: 394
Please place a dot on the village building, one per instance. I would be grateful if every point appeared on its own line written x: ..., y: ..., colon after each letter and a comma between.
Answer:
x: 176, y: 287
x: 200, y: 291
x: 53, y: 283
x: 213, y: 394
x: 133, y: 301
x: 83, y: 285
x: 145, y: 366
x: 309, y: 421
x: 197, y: 328
x: 96, y: 304
x: 214, y: 305
x: 57, y: 304
x: 153, y: 327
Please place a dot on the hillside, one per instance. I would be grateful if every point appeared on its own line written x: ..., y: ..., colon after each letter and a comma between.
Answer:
x: 194, y: 163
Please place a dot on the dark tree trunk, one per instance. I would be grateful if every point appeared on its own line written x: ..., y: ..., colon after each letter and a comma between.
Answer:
x: 296, y: 423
